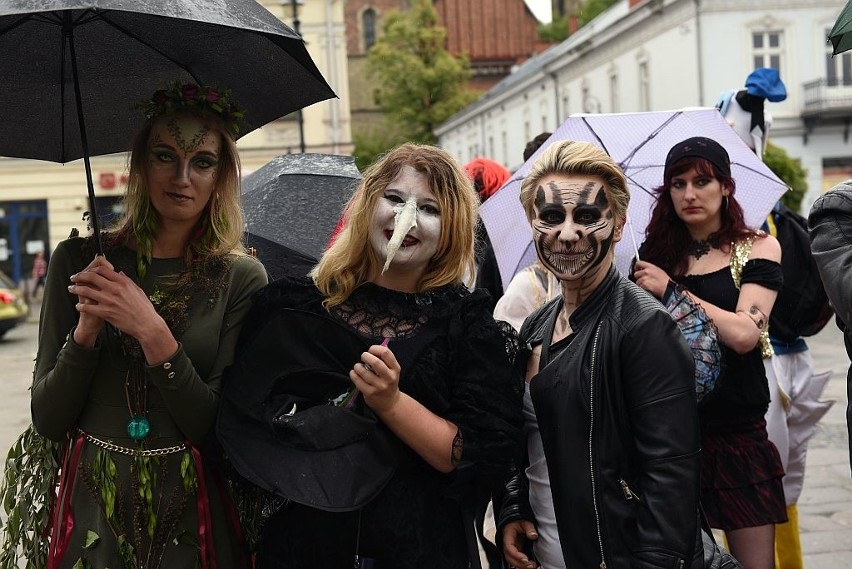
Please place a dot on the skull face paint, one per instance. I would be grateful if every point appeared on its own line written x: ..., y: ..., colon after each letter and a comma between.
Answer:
x: 574, y: 227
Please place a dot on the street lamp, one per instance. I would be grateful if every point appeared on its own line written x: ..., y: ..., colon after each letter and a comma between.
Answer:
x: 300, y: 119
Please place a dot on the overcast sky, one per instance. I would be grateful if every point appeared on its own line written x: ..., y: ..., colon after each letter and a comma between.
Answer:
x: 541, y: 9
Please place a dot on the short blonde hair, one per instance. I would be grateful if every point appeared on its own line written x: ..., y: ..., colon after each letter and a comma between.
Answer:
x: 350, y: 260
x: 573, y: 157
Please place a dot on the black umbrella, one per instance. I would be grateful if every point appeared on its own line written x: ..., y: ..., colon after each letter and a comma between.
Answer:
x: 279, y: 260
x: 296, y: 200
x: 66, y: 60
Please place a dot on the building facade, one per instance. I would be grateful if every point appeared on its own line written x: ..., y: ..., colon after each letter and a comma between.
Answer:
x: 644, y: 55
x: 41, y: 202
x: 496, y: 35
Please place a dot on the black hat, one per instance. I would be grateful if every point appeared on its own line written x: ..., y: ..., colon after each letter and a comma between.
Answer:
x: 280, y: 426
x: 700, y: 147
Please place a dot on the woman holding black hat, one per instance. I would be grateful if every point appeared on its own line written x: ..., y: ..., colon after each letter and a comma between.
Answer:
x: 376, y: 401
x: 698, y: 244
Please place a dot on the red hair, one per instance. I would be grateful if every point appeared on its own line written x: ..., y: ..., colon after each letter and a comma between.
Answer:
x: 667, y: 236
x: 487, y: 176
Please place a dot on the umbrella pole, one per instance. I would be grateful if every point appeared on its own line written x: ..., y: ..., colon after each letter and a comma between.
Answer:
x: 68, y: 31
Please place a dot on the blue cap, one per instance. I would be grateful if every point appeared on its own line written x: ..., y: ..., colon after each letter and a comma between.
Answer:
x: 766, y: 83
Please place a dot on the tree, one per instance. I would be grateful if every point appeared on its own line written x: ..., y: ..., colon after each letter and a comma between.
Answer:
x: 554, y: 31
x: 790, y: 171
x: 590, y: 9
x: 421, y: 84
x: 371, y: 144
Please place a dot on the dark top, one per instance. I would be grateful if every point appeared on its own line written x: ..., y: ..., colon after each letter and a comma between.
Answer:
x: 456, y: 361
x: 617, y: 416
x: 742, y: 392
x: 830, y: 223
x: 75, y: 387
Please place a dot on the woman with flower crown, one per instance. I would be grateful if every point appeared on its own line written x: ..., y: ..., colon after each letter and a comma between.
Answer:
x: 132, y: 345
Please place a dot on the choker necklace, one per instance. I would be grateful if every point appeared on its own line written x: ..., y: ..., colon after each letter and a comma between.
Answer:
x: 698, y: 249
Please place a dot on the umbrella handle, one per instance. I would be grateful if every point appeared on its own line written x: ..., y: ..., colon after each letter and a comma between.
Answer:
x: 633, y: 238
x: 68, y: 34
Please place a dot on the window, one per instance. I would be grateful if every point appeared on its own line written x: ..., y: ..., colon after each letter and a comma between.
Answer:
x: 838, y: 68
x: 644, y: 87
x: 504, y: 142
x: 565, y: 107
x: 368, y: 28
x: 767, y: 48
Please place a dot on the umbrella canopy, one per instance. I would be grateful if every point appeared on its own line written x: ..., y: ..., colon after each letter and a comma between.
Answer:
x: 73, y: 69
x: 296, y: 200
x: 278, y: 260
x: 639, y: 143
x: 125, y: 50
x: 841, y: 33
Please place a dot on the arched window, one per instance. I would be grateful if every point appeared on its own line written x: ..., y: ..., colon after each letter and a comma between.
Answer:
x: 368, y: 27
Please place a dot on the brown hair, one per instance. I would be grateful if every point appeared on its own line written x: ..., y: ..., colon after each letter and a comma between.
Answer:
x: 221, y: 225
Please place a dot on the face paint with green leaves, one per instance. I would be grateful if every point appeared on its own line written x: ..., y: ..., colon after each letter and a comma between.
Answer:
x: 188, y: 133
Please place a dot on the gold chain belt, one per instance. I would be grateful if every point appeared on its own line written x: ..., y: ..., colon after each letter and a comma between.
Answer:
x: 112, y: 447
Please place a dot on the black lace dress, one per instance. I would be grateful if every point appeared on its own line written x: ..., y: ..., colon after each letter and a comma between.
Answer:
x: 456, y: 361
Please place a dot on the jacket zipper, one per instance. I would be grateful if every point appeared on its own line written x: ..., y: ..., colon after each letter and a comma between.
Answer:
x: 628, y: 493
x: 591, y: 440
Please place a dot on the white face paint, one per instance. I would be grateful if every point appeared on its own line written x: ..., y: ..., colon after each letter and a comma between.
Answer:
x: 406, y: 225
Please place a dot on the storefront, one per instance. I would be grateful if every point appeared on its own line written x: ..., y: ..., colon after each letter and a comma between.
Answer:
x: 23, y: 232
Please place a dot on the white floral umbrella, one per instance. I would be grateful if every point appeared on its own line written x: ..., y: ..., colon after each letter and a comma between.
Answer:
x: 639, y: 142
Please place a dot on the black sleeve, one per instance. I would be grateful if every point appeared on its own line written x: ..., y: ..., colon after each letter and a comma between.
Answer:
x: 830, y: 223
x: 763, y: 272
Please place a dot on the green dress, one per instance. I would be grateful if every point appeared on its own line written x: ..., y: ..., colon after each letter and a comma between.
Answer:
x: 159, y: 501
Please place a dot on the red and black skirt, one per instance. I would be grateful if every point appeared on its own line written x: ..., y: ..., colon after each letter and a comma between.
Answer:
x: 741, y: 476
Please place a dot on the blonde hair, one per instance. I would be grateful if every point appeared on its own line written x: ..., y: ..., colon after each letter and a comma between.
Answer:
x: 572, y: 157
x: 220, y: 228
x: 351, y: 259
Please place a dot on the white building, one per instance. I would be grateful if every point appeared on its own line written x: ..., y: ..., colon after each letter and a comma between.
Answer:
x: 643, y: 55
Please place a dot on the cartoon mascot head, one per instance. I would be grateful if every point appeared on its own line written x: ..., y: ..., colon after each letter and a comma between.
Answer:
x: 743, y: 109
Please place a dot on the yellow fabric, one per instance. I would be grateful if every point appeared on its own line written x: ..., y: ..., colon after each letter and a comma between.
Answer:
x: 740, y: 252
x: 788, y: 547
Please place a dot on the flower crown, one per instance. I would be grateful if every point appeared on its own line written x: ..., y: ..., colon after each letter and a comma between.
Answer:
x: 194, y: 98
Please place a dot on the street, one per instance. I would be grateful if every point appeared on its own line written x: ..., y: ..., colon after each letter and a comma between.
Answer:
x: 825, y: 507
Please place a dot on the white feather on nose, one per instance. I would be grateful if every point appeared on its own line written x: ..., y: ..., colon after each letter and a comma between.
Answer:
x: 404, y: 220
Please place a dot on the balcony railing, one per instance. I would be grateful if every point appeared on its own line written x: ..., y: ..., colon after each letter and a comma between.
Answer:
x: 828, y: 97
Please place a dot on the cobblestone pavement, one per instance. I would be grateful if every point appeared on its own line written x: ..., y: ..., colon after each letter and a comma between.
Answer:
x: 825, y: 507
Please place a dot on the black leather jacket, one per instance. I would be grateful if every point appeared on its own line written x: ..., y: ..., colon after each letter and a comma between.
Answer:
x: 619, y: 424
x: 830, y: 224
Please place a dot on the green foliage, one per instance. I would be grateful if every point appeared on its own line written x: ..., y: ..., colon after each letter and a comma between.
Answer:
x: 372, y: 144
x: 790, y: 171
x: 28, y: 493
x: 420, y: 83
x: 590, y: 9
x: 554, y: 31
